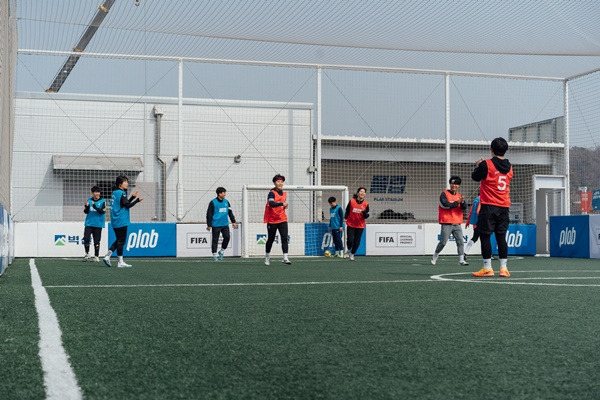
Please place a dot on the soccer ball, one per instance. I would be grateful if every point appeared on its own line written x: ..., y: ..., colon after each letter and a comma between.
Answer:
x: 327, y: 253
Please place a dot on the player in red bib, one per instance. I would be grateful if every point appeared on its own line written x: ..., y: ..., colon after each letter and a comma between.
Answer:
x: 356, y: 213
x: 276, y: 219
x: 450, y: 216
x: 494, y: 175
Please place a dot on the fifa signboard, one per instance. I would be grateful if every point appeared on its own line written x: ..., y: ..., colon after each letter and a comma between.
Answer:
x: 570, y: 236
x: 148, y: 239
x: 520, y: 240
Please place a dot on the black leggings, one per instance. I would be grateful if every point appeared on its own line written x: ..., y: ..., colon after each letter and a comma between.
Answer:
x: 486, y: 246
x: 354, y: 237
x: 272, y: 229
x: 121, y: 237
x: 216, y: 230
x: 88, y: 233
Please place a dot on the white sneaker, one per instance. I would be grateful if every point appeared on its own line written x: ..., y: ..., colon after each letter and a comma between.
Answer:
x: 286, y: 261
x: 267, y: 261
x: 107, y: 261
x: 86, y: 257
x: 351, y: 256
x: 434, y: 259
x: 463, y: 263
x: 96, y: 259
x: 123, y: 265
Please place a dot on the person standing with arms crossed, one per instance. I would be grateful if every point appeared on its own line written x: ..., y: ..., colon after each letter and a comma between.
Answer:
x: 450, y: 216
x: 217, y: 214
x: 95, y: 208
x: 276, y: 219
x: 355, y: 217
x: 119, y: 218
x: 494, y: 175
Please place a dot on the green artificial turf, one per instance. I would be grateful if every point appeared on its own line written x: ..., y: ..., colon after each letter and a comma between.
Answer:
x: 20, y: 368
x: 393, y: 332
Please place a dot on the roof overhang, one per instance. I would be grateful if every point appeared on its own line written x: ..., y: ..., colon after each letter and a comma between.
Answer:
x: 97, y: 163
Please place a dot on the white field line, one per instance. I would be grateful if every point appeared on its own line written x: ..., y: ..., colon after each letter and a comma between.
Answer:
x: 519, y: 281
x: 245, y: 284
x: 59, y: 379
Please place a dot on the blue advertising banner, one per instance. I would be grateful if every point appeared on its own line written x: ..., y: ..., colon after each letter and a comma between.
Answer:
x: 318, y: 232
x: 148, y: 239
x: 570, y: 236
x: 520, y: 239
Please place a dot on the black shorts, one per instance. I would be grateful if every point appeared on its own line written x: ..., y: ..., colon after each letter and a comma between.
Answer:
x: 493, y: 219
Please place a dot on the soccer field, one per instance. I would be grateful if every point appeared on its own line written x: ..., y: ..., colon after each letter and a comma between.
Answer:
x: 377, y: 328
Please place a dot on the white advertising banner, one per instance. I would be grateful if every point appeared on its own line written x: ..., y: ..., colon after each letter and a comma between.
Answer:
x: 258, y: 238
x: 53, y: 239
x: 432, y: 237
x: 193, y: 240
x: 400, y: 239
x: 594, y: 236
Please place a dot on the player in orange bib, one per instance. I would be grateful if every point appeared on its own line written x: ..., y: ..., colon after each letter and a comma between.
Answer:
x: 494, y: 175
x: 356, y: 213
x: 276, y: 219
x: 450, y: 216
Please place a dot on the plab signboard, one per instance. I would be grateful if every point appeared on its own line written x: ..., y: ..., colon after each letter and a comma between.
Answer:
x: 570, y: 236
x: 148, y: 239
x: 520, y: 239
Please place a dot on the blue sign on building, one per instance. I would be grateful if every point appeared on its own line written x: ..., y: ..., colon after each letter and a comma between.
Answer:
x: 570, y: 236
x: 520, y: 239
x: 148, y: 239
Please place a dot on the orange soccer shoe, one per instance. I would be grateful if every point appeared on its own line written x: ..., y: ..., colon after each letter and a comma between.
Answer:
x: 504, y: 273
x: 484, y: 272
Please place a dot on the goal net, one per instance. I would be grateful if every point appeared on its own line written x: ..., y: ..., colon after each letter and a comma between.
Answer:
x: 308, y: 219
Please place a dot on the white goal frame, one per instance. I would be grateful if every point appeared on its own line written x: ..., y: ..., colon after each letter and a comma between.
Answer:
x: 288, y: 188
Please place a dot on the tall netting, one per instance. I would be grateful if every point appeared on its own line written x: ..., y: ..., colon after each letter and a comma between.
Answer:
x: 584, y: 141
x: 402, y: 135
x: 227, y: 126
x: 8, y: 51
x: 179, y: 130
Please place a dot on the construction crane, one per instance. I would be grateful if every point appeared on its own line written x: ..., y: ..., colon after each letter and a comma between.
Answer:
x: 85, y: 39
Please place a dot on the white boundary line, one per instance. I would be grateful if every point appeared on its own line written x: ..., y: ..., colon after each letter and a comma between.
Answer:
x: 59, y: 379
x: 245, y: 284
x: 518, y: 280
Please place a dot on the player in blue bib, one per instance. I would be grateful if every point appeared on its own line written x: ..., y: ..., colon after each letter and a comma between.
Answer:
x: 119, y: 218
x: 336, y: 225
x: 217, y: 219
x: 95, y: 209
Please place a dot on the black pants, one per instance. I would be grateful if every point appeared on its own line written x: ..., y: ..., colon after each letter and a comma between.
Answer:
x: 216, y: 231
x: 272, y: 229
x: 493, y: 219
x: 354, y: 237
x: 121, y: 237
x: 96, y: 233
x: 337, y: 239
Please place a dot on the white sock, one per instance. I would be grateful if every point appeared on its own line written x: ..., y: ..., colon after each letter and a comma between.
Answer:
x: 470, y: 244
x: 267, y: 255
x: 487, y: 263
x: 108, y: 254
x: 215, y: 254
x: 503, y: 262
x: 121, y: 260
x: 285, y: 256
x: 461, y: 258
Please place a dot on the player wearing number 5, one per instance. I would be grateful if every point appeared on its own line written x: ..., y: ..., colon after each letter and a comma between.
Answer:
x: 494, y: 175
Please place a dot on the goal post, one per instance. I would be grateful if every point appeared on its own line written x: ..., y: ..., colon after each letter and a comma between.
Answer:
x: 307, y: 213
